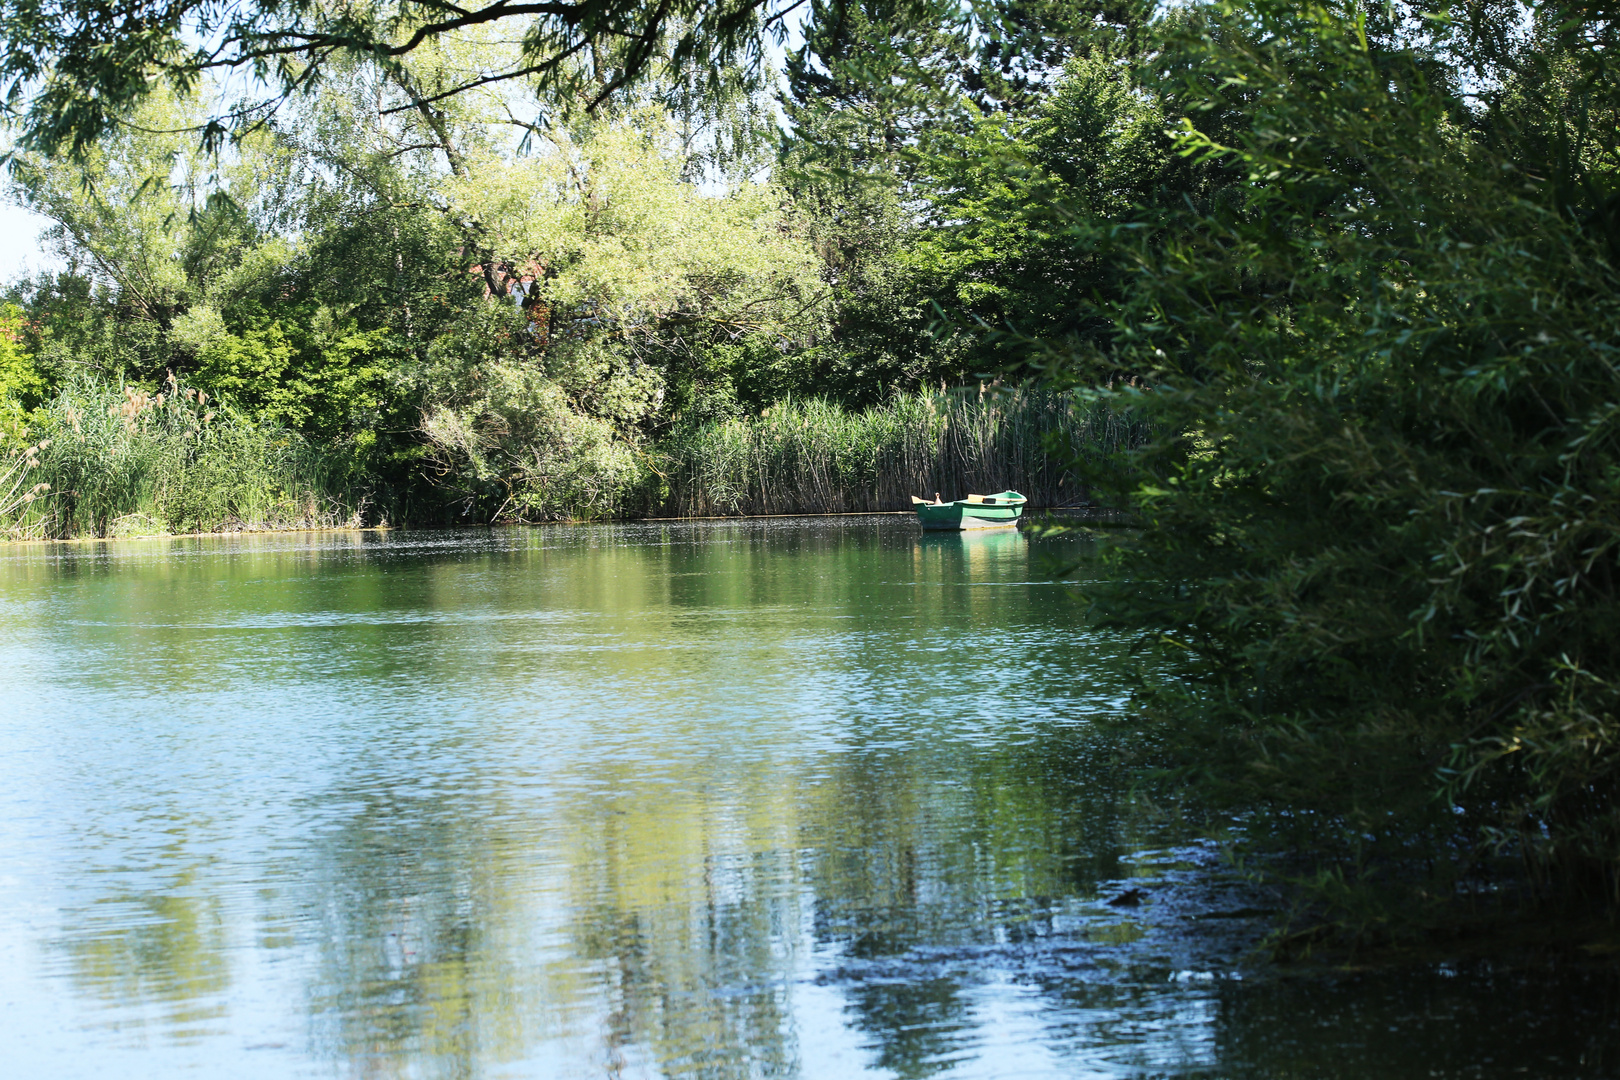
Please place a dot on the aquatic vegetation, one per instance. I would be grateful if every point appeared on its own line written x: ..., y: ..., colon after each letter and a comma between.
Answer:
x: 119, y: 460
x: 814, y: 457
x: 20, y: 489
x: 525, y: 455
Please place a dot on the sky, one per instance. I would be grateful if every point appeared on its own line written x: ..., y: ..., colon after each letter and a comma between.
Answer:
x: 19, y: 244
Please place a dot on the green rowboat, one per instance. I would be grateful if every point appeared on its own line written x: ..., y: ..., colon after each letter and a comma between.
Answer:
x: 999, y: 511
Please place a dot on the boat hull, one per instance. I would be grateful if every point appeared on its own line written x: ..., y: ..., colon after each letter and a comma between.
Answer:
x: 955, y: 517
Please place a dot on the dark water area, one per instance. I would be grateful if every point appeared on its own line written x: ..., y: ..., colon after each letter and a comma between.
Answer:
x: 787, y: 798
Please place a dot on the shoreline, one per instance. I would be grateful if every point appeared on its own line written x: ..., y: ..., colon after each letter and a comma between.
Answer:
x: 1071, y: 511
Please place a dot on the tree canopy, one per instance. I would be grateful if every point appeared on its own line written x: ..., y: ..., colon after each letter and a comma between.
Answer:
x: 71, y: 70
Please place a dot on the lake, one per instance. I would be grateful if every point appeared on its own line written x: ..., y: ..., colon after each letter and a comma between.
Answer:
x: 788, y: 798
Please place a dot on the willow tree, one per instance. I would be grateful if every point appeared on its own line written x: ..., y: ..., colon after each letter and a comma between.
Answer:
x: 73, y: 70
x: 615, y: 273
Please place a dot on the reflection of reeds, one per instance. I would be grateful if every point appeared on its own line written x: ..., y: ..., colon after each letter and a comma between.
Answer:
x: 121, y: 461
x: 814, y: 457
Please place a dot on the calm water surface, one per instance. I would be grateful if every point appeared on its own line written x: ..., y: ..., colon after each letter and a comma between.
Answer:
x: 781, y: 799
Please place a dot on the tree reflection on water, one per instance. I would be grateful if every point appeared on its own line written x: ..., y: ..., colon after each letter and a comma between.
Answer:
x: 725, y: 802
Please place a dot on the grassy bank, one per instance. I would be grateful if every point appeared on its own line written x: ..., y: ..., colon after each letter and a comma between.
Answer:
x: 813, y: 457
x: 116, y: 461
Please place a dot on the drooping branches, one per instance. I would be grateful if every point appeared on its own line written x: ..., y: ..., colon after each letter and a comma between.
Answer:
x: 72, y: 68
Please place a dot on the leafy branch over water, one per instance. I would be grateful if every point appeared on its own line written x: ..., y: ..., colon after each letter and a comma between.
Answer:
x: 1381, y: 516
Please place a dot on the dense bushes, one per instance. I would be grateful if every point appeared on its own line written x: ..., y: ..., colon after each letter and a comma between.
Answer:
x: 521, y: 452
x: 1381, y: 519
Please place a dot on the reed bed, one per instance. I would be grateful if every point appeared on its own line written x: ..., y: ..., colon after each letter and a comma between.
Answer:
x: 813, y: 457
x: 117, y: 461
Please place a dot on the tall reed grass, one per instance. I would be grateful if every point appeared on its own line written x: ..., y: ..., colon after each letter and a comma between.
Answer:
x: 115, y: 461
x: 813, y: 457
